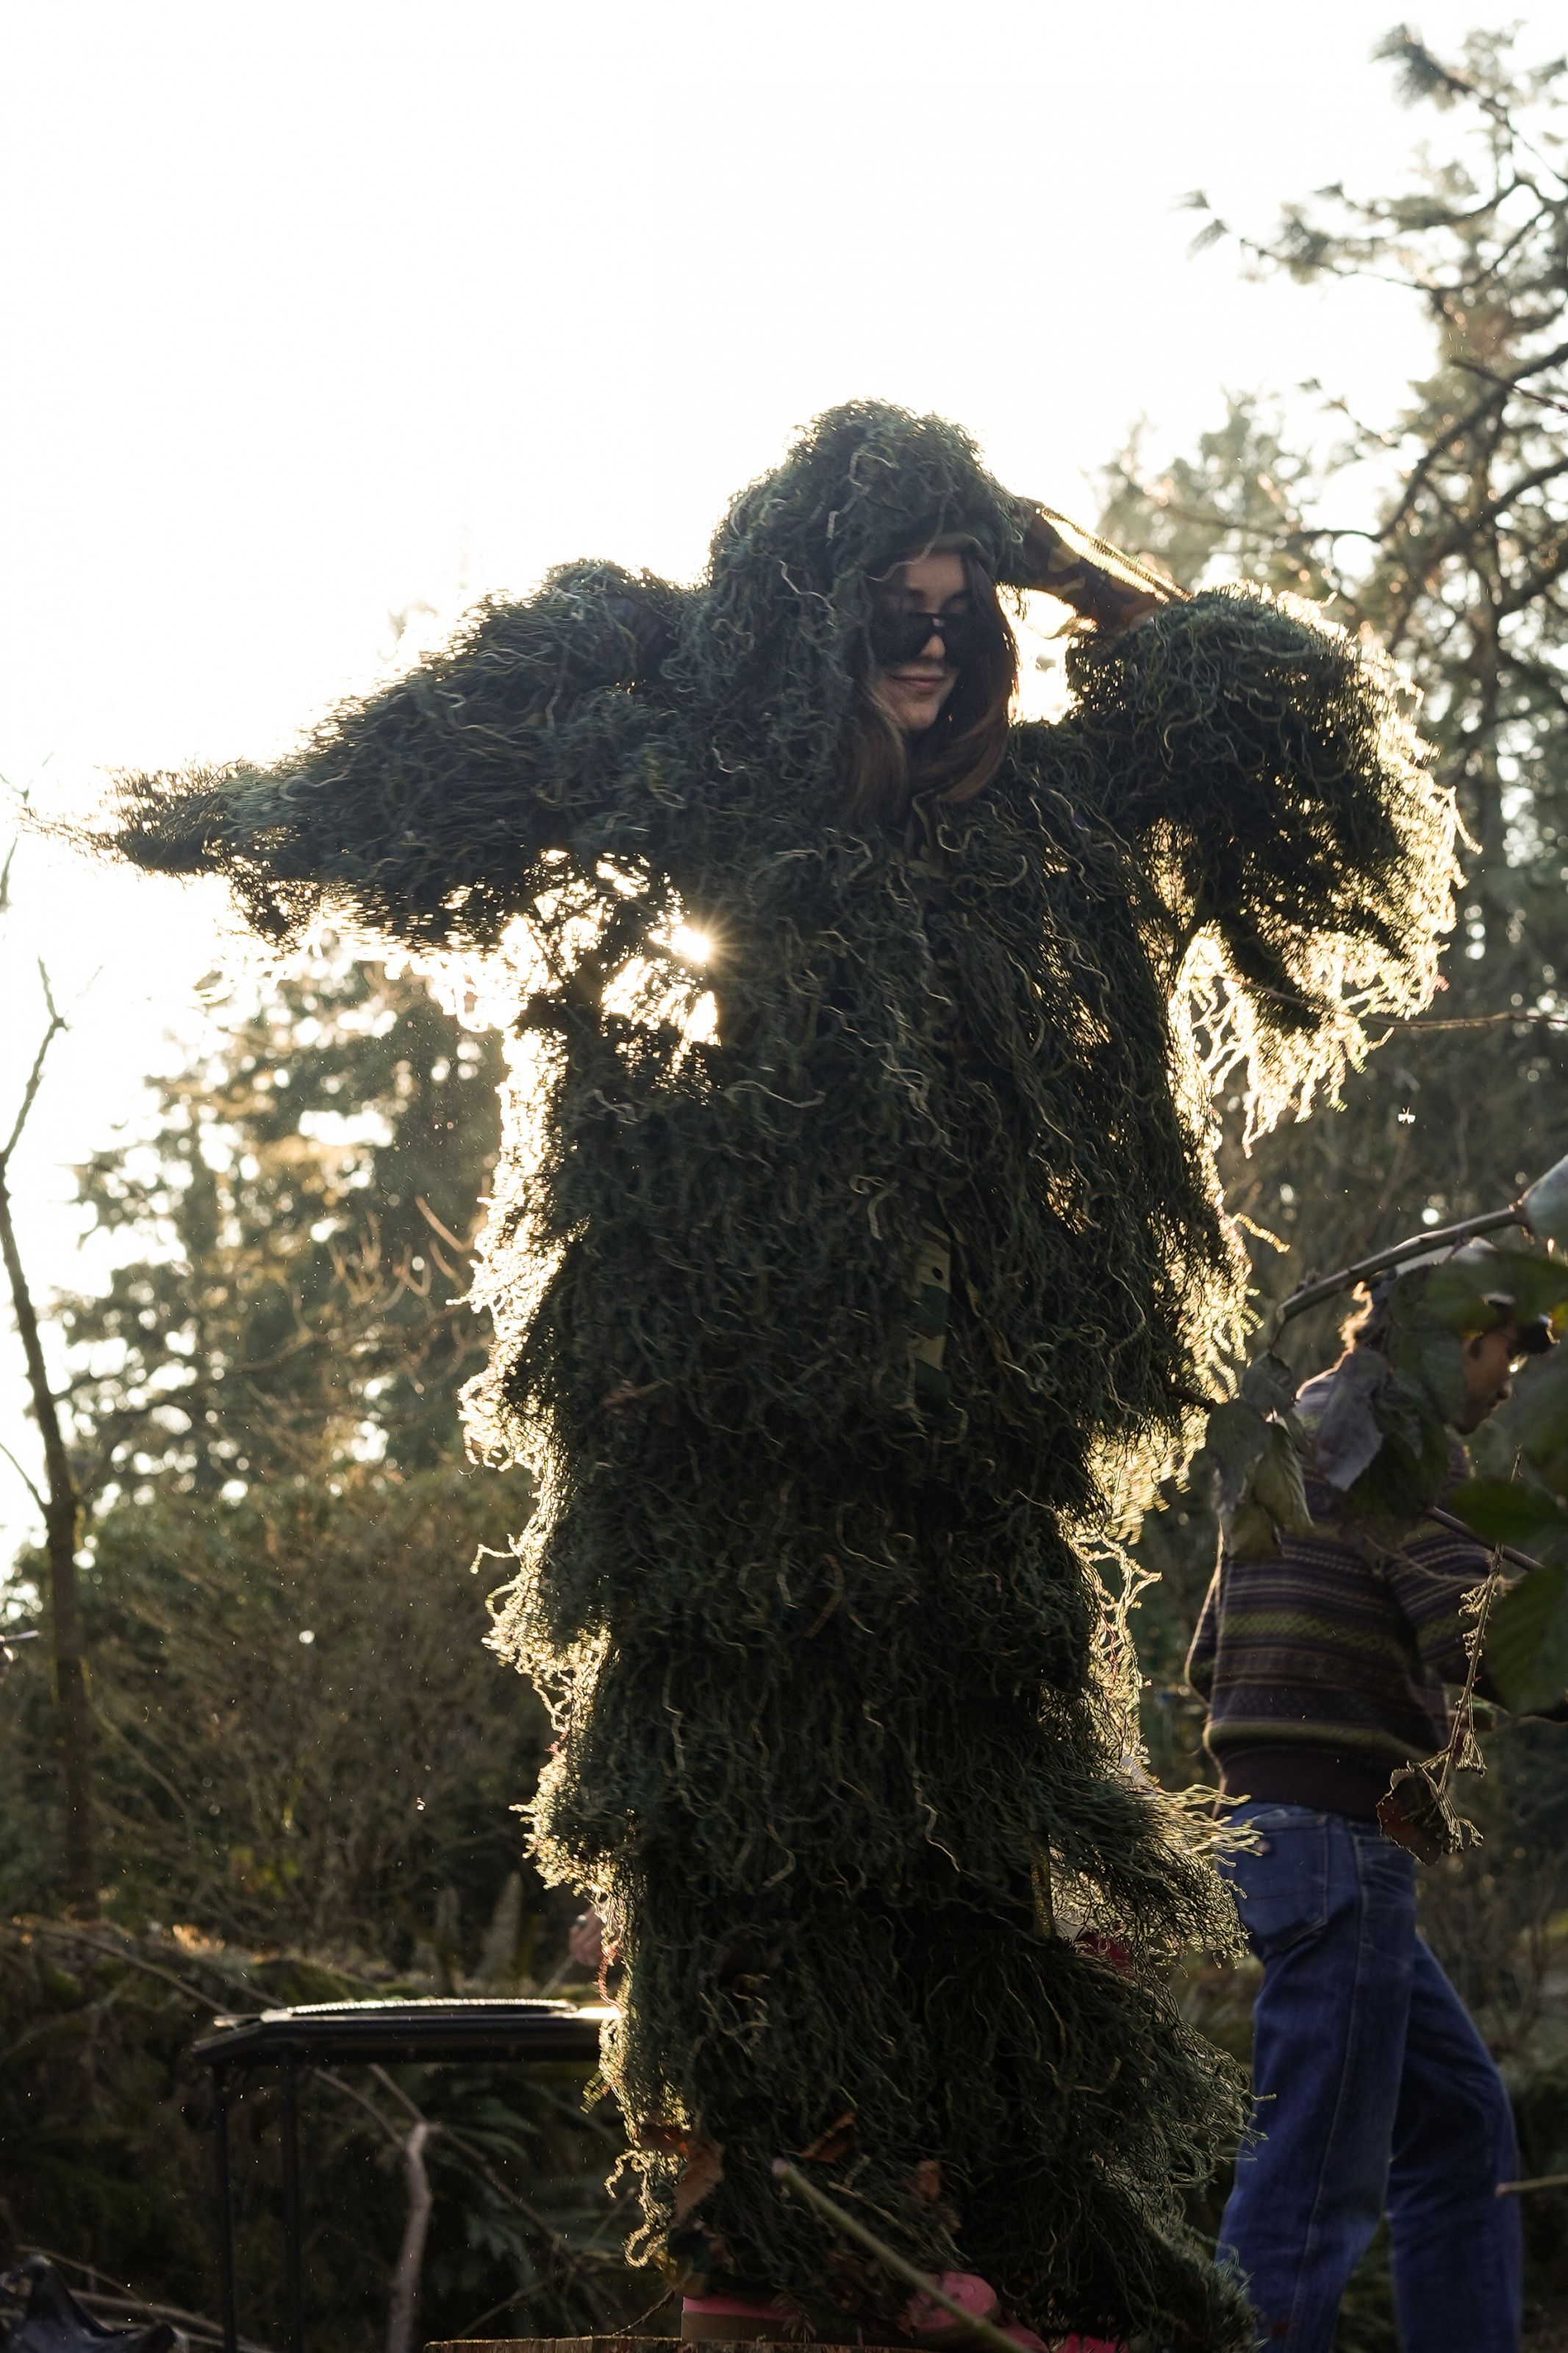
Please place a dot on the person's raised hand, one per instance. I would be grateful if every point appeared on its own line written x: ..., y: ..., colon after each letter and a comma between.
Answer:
x: 1111, y: 590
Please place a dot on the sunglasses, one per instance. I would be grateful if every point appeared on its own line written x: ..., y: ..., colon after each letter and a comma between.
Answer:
x: 899, y: 637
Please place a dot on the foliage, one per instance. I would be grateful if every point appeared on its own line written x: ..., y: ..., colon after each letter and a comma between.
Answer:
x: 300, y: 1736
x: 1462, y: 575
x: 60, y: 1503
x: 265, y: 1403
x: 304, y: 1204
x: 105, y: 2151
x: 1380, y: 1440
x: 1460, y: 571
x: 1442, y: 528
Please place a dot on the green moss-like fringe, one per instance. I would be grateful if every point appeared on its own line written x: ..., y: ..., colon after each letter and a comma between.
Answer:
x: 825, y: 1664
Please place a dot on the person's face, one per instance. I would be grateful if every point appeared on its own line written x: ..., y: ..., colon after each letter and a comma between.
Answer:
x: 1488, y: 1361
x: 914, y: 693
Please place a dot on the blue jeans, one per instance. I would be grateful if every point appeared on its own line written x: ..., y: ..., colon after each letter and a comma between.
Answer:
x: 1374, y: 2089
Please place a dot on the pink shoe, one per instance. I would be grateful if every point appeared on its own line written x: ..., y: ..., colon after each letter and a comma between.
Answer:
x: 1028, y: 2339
x: 929, y: 2324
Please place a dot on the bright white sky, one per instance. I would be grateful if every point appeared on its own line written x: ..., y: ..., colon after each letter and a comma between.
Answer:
x: 318, y: 312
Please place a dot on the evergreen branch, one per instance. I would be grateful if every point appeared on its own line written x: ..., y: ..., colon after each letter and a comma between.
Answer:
x: 117, y: 1953
x: 1297, y: 535
x: 1420, y: 472
x: 1422, y: 73
x: 359, y: 1326
x: 1304, y: 268
x: 1539, y: 478
x: 1536, y: 587
x: 1492, y: 266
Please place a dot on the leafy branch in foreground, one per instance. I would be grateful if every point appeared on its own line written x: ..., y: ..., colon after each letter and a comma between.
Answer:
x: 1381, y: 1441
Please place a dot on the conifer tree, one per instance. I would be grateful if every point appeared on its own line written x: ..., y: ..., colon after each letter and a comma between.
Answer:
x: 299, y: 1734
x: 306, y: 1200
x: 1462, y: 567
x: 1462, y: 571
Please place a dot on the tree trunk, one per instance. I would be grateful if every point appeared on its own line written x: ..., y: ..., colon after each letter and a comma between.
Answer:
x: 61, y: 1509
x: 411, y: 2255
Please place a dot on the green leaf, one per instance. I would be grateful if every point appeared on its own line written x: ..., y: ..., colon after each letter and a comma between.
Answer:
x: 1502, y: 1511
x: 1406, y: 1409
x: 1527, y: 1642
x: 1537, y: 1419
x: 1533, y: 1283
x: 1464, y: 1295
x: 1269, y: 1385
x: 1256, y: 1476
x: 1402, y: 1478
x: 1449, y: 1297
x: 1277, y: 1483
x: 1250, y: 1532
x: 1432, y: 1358
x: 1233, y: 1440
x: 1544, y: 1208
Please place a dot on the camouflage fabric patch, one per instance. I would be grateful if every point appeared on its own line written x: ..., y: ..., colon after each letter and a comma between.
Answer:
x: 930, y: 1292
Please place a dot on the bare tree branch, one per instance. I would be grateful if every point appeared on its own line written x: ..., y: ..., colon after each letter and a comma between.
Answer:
x: 24, y: 1477
x: 35, y: 1080
x: 404, y: 2302
x: 62, y: 1512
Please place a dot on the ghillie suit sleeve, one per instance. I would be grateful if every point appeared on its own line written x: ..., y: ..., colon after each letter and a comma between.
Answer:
x: 433, y: 812
x: 838, y: 1742
x: 1264, y: 768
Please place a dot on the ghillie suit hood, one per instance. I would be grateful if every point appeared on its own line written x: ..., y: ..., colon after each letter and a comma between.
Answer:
x: 837, y: 1727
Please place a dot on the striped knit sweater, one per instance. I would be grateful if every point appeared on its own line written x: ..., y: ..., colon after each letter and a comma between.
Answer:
x: 1323, y: 1669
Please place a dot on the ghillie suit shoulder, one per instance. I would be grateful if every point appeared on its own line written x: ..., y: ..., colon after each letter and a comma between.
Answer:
x: 1264, y: 765
x: 829, y: 1673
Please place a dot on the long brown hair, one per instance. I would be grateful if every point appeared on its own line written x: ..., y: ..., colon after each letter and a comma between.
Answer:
x: 959, y: 754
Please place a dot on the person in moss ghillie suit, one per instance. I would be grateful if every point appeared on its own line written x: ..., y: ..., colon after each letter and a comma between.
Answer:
x: 821, y: 1305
